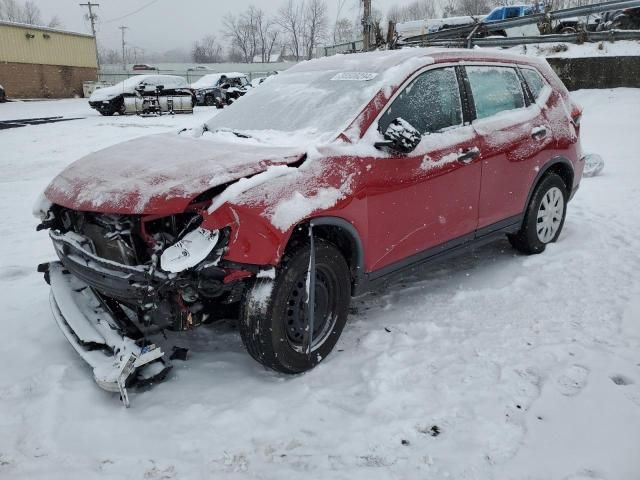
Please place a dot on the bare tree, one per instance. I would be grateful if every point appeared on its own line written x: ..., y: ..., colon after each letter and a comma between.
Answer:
x: 29, y: 13
x: 315, y: 21
x: 339, y: 6
x: 270, y: 41
x: 10, y: 10
x: 467, y: 7
x: 242, y: 35
x: 416, y: 10
x: 343, y: 31
x: 266, y: 32
x: 55, y: 22
x: 109, y: 56
x: 291, y: 20
x: 207, y: 50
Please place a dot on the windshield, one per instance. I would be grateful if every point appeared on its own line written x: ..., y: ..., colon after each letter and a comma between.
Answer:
x: 207, y: 81
x: 321, y: 103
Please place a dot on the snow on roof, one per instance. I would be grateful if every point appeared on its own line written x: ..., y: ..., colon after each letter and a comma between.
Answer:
x: 382, y: 61
x: 44, y: 28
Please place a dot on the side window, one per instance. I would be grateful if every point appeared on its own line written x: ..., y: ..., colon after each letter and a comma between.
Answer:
x: 512, y: 12
x: 534, y: 82
x: 430, y: 103
x: 495, y: 90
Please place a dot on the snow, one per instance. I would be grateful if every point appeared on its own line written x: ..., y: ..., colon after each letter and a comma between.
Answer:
x: 129, y: 85
x: 140, y: 174
x: 298, y: 206
x: 235, y: 190
x: 309, y: 98
x: 489, y: 366
x: 619, y: 48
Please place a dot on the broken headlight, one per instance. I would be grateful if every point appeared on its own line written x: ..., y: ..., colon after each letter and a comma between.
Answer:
x: 189, y: 251
x: 42, y: 208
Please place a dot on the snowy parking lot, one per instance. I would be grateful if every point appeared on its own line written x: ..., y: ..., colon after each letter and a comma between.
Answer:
x: 493, y: 365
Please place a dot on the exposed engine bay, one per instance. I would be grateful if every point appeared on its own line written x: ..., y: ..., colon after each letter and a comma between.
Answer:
x: 165, y: 271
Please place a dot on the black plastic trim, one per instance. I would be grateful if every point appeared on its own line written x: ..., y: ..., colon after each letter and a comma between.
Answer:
x: 543, y: 171
x: 359, y: 272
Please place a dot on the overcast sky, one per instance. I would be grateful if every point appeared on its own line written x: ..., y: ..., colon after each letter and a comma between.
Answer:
x: 169, y: 24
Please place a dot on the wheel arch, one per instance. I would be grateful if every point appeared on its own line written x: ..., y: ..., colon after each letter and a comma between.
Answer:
x: 558, y: 165
x: 343, y: 235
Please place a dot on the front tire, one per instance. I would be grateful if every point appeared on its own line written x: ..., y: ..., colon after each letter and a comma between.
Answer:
x: 274, y: 311
x: 544, y: 217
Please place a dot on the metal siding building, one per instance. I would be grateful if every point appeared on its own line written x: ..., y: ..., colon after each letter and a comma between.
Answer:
x: 45, y: 62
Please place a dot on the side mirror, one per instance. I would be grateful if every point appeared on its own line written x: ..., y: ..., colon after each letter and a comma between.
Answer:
x: 159, y: 88
x: 141, y: 88
x: 401, y: 137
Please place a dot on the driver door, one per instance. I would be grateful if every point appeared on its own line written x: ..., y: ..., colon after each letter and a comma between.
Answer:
x: 425, y: 201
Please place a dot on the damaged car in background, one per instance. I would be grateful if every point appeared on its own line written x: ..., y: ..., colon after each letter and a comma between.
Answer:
x: 143, y: 95
x: 325, y: 183
x: 220, y: 89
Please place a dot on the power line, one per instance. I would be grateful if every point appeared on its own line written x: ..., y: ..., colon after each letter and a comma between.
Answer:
x: 132, y: 13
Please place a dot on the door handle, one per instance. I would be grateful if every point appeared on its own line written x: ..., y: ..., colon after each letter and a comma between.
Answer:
x: 539, y: 132
x: 466, y: 156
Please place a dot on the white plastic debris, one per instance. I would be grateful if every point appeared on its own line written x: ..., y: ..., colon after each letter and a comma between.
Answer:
x: 190, y: 251
x: 593, y: 165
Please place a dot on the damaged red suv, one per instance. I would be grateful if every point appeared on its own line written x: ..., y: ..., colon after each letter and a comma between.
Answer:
x: 320, y: 185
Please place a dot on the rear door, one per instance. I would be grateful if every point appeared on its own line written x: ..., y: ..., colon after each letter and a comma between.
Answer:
x: 429, y: 197
x: 514, y: 134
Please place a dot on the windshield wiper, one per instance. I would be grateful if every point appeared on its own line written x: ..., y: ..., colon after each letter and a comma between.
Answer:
x: 239, y: 134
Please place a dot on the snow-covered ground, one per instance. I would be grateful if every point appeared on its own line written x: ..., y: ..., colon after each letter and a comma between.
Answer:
x: 491, y: 366
x: 619, y: 48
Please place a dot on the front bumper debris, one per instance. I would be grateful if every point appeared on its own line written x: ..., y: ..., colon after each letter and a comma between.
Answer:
x: 118, y: 361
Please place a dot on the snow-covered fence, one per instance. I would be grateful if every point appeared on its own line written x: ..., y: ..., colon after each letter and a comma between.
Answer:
x: 580, y: 37
x: 347, y: 47
x: 113, y: 77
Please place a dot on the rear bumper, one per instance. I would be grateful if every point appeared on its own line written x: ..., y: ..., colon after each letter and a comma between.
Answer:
x: 116, y: 360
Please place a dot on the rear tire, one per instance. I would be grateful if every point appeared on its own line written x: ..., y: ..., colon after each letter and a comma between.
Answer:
x: 273, y: 313
x: 209, y: 100
x: 544, y: 217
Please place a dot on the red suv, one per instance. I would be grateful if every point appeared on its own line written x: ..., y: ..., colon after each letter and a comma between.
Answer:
x: 318, y: 186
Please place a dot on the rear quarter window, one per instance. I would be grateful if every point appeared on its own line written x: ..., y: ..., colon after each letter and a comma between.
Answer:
x: 494, y: 89
x: 534, y: 81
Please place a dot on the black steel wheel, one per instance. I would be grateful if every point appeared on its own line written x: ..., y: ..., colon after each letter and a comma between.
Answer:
x: 209, y: 100
x: 274, y: 321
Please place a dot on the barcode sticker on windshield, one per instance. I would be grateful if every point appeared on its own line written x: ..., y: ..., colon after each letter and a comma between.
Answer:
x: 355, y: 76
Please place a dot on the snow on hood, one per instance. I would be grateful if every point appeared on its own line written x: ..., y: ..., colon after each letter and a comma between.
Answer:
x: 126, y: 86
x: 161, y: 174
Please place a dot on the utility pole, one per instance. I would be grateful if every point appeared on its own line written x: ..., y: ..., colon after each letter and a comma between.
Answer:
x: 124, y: 60
x: 92, y: 19
x: 366, y: 24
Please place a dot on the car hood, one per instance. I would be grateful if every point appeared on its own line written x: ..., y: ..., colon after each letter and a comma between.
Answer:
x: 107, y: 93
x: 162, y: 174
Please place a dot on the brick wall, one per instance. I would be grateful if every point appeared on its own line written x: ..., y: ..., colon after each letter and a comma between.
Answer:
x: 23, y: 80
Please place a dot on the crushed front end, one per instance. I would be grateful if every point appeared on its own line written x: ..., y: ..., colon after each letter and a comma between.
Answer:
x: 123, y: 279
